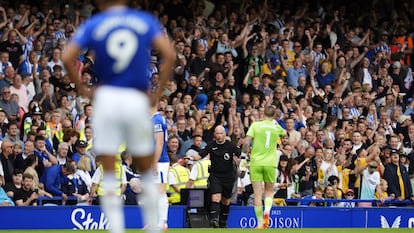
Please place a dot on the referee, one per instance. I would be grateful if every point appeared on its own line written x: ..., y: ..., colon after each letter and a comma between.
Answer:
x: 222, y: 176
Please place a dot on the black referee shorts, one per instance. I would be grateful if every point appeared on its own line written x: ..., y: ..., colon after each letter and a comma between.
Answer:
x: 218, y: 184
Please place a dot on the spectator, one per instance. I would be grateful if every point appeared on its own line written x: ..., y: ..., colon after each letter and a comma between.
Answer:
x: 397, y: 177
x: 42, y: 131
x: 59, y: 128
x: 329, y: 164
x: 283, y: 185
x: 20, y: 159
x: 46, y: 159
x: 47, y: 101
x: 182, y: 130
x: 199, y: 173
x: 336, y: 183
x: 26, y: 195
x: 57, y: 76
x: 85, y: 119
x: 12, y: 46
x: 11, y: 108
x: 89, y: 138
x: 80, y: 147
x: 15, y: 184
x: 22, y: 92
x: 325, y: 77
x: 53, y: 176
x: 7, y: 160
x: 12, y: 134
x: 200, y: 61
x: 30, y: 66
x: 32, y: 162
x: 317, y: 195
x: 4, y: 59
x: 173, y: 144
x: 4, y: 199
x: 70, y: 136
x: 177, y: 179
x: 225, y: 45
x: 132, y: 178
x: 62, y: 153
x: 370, y: 180
x: 97, y: 188
x: 84, y: 171
x: 330, y: 193
x: 272, y: 51
x: 73, y: 185
x: 381, y: 193
x: 294, y: 135
x: 349, y: 195
x: 194, y: 150
x: 307, y: 172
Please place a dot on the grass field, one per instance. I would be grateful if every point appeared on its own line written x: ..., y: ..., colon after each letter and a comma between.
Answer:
x: 206, y: 230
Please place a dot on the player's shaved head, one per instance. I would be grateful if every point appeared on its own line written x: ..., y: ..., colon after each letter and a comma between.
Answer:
x: 219, y: 128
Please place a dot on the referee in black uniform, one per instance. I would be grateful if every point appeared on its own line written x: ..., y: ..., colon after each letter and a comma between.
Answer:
x: 222, y: 177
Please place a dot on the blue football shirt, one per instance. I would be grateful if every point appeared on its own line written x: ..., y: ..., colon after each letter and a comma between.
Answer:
x: 160, y: 126
x: 122, y: 39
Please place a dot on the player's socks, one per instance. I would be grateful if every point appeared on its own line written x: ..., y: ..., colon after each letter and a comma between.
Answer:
x: 266, y: 216
x: 112, y: 203
x: 268, y: 201
x: 149, y: 200
x: 214, y: 214
x: 224, y: 214
x: 163, y: 210
x: 258, y: 210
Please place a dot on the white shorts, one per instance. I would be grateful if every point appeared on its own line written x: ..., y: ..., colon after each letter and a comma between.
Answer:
x: 122, y: 115
x: 163, y: 169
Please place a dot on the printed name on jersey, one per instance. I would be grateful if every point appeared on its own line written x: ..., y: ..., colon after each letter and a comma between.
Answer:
x: 138, y: 25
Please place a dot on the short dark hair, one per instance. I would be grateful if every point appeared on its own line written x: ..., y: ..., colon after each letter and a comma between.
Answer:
x: 269, y: 111
x: 69, y: 166
x: 40, y: 138
x: 17, y: 171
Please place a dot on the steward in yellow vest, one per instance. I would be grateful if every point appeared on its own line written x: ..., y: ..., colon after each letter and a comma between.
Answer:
x: 177, y: 179
x: 199, y: 174
x: 97, y: 183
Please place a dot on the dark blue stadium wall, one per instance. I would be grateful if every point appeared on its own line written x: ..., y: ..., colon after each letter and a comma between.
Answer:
x: 90, y: 217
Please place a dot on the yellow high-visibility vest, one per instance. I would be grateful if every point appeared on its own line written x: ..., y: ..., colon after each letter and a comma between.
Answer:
x: 119, y: 170
x: 59, y: 135
x: 203, y: 174
x: 181, y: 175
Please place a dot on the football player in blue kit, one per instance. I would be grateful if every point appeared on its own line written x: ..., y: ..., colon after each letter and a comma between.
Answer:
x: 122, y: 39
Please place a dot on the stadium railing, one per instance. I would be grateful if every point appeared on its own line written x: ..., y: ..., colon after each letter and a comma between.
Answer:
x: 57, y: 200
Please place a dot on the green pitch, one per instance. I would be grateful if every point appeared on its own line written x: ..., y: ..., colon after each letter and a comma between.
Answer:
x: 207, y: 230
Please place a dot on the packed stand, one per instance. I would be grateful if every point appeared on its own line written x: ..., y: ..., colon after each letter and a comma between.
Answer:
x: 340, y: 76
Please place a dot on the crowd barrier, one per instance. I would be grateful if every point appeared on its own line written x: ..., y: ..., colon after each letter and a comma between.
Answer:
x: 91, y: 217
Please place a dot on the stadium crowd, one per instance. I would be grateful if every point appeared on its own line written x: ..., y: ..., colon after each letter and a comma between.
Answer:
x: 339, y: 74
